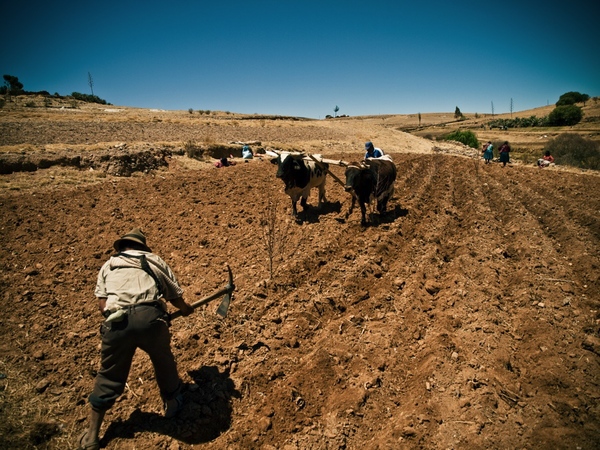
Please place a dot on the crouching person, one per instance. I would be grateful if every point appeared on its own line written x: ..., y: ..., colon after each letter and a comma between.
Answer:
x: 131, y: 289
x: 545, y: 160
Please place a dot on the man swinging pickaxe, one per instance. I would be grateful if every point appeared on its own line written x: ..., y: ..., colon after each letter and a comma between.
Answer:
x: 223, y: 307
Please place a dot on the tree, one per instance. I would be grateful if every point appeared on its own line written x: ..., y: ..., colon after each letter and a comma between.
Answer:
x: 570, y: 98
x: 335, y: 110
x: 457, y: 113
x: 565, y: 115
x: 13, y: 85
x: 419, y: 119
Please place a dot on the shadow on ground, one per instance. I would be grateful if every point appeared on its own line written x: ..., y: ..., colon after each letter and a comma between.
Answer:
x: 206, y: 413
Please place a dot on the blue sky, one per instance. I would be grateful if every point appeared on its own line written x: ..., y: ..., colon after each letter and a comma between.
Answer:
x: 302, y: 58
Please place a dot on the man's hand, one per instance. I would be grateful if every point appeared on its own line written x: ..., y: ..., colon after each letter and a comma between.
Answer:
x: 102, y: 305
x: 185, y: 308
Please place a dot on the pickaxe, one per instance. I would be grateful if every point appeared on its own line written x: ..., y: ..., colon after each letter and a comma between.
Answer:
x: 223, y: 307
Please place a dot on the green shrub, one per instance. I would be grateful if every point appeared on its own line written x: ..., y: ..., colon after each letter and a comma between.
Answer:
x: 88, y: 98
x: 519, y: 122
x: 570, y: 98
x: 574, y: 150
x: 466, y: 137
x: 565, y: 116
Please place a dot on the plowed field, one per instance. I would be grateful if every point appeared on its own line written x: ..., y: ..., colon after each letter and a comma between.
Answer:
x: 467, y: 318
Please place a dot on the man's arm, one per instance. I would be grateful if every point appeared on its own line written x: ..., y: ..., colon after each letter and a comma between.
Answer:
x: 181, y: 304
x: 101, y: 305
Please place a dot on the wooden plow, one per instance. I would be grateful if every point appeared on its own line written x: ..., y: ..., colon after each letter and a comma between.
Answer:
x: 321, y: 162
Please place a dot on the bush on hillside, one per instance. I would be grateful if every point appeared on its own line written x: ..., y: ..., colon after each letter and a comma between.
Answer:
x: 570, y: 98
x: 565, y: 116
x: 465, y: 137
x: 88, y: 98
x: 574, y: 150
x: 519, y: 122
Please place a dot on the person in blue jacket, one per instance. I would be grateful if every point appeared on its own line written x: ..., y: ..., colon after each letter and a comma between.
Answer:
x: 247, y: 152
x: 488, y: 152
x: 371, y: 151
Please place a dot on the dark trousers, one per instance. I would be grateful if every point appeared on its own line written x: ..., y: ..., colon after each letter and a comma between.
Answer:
x: 143, y: 327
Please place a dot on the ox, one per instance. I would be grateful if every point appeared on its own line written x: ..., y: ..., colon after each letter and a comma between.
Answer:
x: 300, y: 177
x: 370, y: 180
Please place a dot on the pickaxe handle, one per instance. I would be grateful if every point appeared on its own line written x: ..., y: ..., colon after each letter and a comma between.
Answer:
x: 222, y: 310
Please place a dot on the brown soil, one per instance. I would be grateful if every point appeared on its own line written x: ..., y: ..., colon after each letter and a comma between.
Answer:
x: 467, y: 318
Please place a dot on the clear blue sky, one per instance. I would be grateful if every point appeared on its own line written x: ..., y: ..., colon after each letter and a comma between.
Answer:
x: 304, y: 57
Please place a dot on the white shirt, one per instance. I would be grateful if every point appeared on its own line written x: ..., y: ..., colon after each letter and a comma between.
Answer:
x: 123, y: 281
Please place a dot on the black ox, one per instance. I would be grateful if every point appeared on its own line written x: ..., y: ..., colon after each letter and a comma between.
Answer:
x: 300, y: 177
x: 370, y: 180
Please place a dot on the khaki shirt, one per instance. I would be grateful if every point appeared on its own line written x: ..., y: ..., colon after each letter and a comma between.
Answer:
x: 123, y: 281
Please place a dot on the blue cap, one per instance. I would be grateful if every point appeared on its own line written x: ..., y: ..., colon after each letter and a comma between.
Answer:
x: 368, y: 145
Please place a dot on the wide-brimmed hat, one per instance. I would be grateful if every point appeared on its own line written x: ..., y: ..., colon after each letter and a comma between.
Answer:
x: 136, y: 235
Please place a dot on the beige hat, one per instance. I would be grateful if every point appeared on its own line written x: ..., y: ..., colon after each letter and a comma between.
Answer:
x: 136, y: 235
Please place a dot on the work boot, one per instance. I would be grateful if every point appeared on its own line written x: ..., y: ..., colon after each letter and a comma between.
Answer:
x: 173, y: 406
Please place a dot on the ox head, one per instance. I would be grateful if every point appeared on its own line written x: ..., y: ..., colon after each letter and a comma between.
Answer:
x: 289, y: 165
x: 353, y: 173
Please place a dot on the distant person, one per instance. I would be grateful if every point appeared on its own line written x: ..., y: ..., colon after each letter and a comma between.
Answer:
x: 488, y: 152
x: 247, y: 152
x: 371, y: 151
x: 545, y: 160
x: 504, y: 153
x: 224, y: 162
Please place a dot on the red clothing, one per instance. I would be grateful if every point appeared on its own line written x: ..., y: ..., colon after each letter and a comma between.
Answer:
x: 549, y: 158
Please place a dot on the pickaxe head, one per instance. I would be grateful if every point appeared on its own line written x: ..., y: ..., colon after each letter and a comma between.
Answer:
x: 224, y: 306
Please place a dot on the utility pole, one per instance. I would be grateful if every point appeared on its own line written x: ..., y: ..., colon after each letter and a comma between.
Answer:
x: 511, y: 107
x: 91, y: 82
x: 492, y: 109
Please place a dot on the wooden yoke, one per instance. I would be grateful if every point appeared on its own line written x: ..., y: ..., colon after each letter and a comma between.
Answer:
x: 322, y: 166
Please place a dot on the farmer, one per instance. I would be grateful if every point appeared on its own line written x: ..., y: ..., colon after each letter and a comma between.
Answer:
x: 504, y: 153
x: 545, y: 160
x: 247, y: 152
x: 488, y: 152
x: 131, y: 288
x: 224, y: 162
x: 371, y: 151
